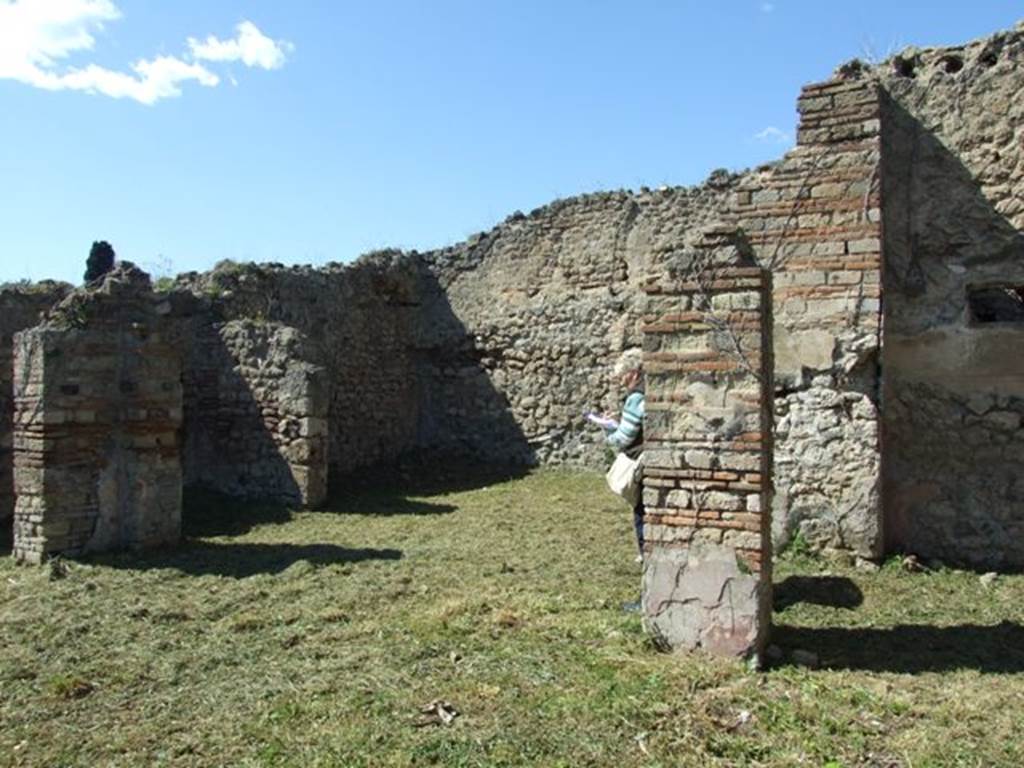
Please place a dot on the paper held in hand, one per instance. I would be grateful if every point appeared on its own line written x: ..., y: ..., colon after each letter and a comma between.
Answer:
x: 602, y: 421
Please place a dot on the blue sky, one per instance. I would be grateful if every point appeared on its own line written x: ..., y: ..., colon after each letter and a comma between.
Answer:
x: 307, y: 132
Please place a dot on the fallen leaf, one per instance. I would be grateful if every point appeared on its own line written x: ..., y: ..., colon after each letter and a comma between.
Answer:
x: 437, y: 712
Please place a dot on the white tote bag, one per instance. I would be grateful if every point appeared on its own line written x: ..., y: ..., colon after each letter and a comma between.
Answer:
x: 624, y: 478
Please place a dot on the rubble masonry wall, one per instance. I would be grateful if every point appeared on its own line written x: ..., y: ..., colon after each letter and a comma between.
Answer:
x: 953, y: 441
x: 903, y: 191
x: 255, y: 413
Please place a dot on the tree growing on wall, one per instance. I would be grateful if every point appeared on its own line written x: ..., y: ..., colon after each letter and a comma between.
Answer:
x: 100, y: 261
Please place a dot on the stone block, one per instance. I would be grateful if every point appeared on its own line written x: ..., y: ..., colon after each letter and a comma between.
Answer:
x: 651, y: 496
x: 679, y: 499
x: 720, y: 500
x: 864, y: 245
x: 798, y: 349
x: 703, y: 598
x: 699, y: 459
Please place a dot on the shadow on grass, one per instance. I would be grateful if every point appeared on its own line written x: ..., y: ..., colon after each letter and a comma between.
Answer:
x: 415, y: 476
x: 209, y: 513
x: 831, y: 591
x: 386, y: 491
x: 201, y: 558
x: 911, y: 648
x: 381, y: 502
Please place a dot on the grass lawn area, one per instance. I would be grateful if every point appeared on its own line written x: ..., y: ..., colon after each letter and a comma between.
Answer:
x: 316, y: 638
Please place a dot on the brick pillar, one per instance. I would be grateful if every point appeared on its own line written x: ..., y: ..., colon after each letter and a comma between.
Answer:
x: 707, y: 478
x: 20, y: 307
x: 97, y: 407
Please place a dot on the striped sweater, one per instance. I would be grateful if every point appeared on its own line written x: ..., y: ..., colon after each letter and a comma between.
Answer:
x: 631, y: 425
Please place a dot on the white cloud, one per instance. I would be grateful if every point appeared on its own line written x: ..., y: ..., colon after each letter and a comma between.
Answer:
x: 154, y: 79
x: 772, y: 135
x: 35, y: 34
x: 250, y: 46
x: 38, y: 36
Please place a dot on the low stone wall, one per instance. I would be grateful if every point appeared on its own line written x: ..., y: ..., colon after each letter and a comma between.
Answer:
x: 97, y: 409
x: 707, y: 474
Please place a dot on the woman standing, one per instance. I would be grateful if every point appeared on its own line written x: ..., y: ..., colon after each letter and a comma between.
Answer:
x: 628, y: 435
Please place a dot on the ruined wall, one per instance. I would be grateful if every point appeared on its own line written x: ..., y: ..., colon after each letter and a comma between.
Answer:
x: 551, y: 298
x: 255, y: 413
x: 495, y: 347
x: 707, y: 473
x: 97, y: 409
x: 537, y: 310
x: 20, y: 307
x: 953, y: 139
x: 492, y: 348
x: 350, y: 332
x: 813, y: 220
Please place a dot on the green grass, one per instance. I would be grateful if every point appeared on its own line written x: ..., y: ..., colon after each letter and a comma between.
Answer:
x: 315, y: 638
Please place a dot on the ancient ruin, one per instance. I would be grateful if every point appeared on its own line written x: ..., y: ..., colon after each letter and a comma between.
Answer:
x: 707, y: 447
x: 884, y: 378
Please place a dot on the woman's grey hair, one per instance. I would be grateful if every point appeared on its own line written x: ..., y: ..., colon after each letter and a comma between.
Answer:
x: 630, y: 360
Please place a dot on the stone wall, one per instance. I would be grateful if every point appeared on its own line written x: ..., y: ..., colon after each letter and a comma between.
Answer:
x: 953, y: 160
x: 358, y: 325
x: 97, y: 409
x: 707, y: 474
x: 493, y: 348
x: 21, y: 306
x: 538, y: 309
x: 255, y: 413
x: 813, y: 220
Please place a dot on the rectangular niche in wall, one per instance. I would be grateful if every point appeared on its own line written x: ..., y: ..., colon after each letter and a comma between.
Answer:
x: 995, y: 304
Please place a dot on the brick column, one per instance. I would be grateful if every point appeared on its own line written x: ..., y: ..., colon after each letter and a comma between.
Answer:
x: 97, y: 407
x: 707, y: 570
x: 20, y: 307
